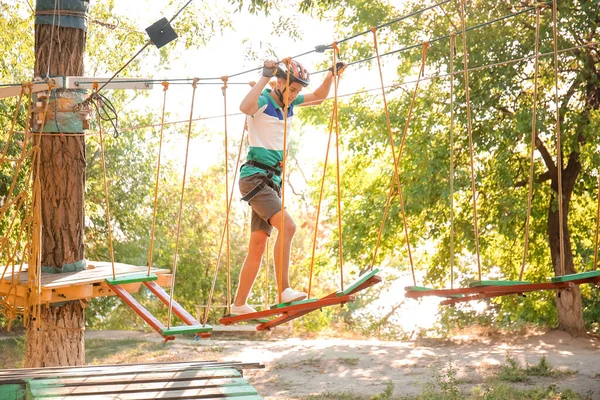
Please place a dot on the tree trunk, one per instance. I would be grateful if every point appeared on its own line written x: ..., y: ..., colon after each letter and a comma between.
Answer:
x: 57, y: 340
x: 568, y: 301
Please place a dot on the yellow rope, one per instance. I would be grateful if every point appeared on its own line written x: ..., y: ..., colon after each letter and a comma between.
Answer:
x: 162, y: 127
x: 533, y: 136
x: 396, y: 177
x: 451, y: 59
x: 215, y: 275
x: 338, y: 172
x: 314, y: 244
x: 228, y: 244
x: 187, y: 150
x: 558, y: 145
x: 106, y: 200
x: 283, y: 162
x: 470, y: 132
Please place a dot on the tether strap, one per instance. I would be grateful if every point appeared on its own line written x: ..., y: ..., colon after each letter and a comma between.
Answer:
x: 253, y: 163
x: 265, y: 182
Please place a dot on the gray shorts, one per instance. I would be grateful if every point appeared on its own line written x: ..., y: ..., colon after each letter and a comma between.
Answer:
x: 264, y: 205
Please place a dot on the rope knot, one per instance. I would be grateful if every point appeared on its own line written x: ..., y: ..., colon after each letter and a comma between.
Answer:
x: 165, y: 86
x: 195, y: 83
x: 95, y: 85
x: 335, y: 47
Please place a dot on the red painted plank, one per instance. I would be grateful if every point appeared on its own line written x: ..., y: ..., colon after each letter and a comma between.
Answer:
x: 293, y: 315
x: 140, y: 310
x: 177, y: 309
x: 294, y: 308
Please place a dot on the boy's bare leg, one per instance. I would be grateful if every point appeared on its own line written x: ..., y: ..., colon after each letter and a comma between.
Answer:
x: 284, y: 240
x: 256, y: 249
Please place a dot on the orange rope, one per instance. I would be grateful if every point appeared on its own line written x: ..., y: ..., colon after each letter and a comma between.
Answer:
x: 162, y: 126
x: 227, y: 250
x: 451, y: 58
x: 470, y: 131
x: 595, y: 266
x: 558, y: 145
x: 212, y: 289
x: 283, y: 161
x: 339, y: 179
x: 396, y: 176
x: 314, y: 244
x: 110, y: 238
x: 187, y: 150
x: 533, y: 135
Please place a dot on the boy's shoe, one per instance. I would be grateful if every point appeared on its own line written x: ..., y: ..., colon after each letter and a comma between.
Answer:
x: 241, y: 310
x: 289, y: 295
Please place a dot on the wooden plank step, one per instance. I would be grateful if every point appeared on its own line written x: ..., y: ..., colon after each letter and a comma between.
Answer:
x: 293, y: 303
x: 576, y: 277
x: 234, y: 392
x: 142, y: 377
x: 12, y: 392
x: 10, y: 375
x: 133, y: 278
x: 140, y: 310
x: 362, y: 279
x: 497, y: 283
x: 177, y: 309
x: 45, y: 390
x: 427, y: 289
x: 182, y: 329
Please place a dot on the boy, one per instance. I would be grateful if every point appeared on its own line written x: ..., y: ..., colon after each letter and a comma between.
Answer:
x: 260, y: 177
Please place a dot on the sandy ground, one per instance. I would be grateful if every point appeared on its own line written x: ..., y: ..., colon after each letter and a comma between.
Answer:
x: 295, y: 368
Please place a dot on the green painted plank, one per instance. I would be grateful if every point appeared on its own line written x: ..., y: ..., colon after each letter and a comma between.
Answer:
x: 139, y: 377
x: 234, y: 392
x: 362, y: 279
x: 12, y: 392
x: 426, y: 289
x: 497, y: 283
x: 575, y: 277
x: 134, y: 278
x: 133, y: 386
x: 256, y: 320
x: 178, y: 330
x: 418, y: 289
x: 281, y: 305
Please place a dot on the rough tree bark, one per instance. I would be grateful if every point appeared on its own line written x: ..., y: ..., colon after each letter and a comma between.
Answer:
x: 58, y: 338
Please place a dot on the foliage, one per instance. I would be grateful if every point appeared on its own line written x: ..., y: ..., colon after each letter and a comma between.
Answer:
x: 501, y: 106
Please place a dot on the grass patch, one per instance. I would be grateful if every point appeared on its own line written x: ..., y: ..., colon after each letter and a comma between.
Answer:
x: 12, y: 352
x: 512, y: 371
x: 387, y: 394
x: 349, y: 361
x: 102, y: 351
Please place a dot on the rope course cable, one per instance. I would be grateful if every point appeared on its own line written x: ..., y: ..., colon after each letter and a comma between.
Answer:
x: 462, y: 7
x: 533, y: 136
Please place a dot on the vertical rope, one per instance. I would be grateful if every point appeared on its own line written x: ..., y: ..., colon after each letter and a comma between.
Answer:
x: 110, y: 237
x: 215, y: 274
x: 595, y: 266
x: 314, y: 243
x: 533, y: 136
x: 452, y: 54
x: 470, y: 131
x: 338, y: 174
x: 187, y: 150
x: 266, y: 305
x: 283, y: 162
x: 558, y: 145
x: 396, y: 176
x: 36, y: 206
x: 227, y: 248
x: 162, y: 128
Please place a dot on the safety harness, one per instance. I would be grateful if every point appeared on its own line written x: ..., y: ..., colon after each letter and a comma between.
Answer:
x: 266, y: 180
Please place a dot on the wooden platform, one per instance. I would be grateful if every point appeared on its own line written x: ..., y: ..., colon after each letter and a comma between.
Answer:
x: 84, y: 284
x: 182, y: 380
